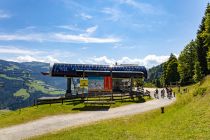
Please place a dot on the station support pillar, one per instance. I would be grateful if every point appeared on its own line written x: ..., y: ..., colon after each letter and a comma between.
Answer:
x: 68, y: 90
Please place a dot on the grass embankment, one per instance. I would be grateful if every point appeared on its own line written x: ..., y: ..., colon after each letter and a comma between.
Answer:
x: 22, y: 93
x: 149, y: 85
x: 8, y: 118
x: 33, y: 113
x: 188, y: 118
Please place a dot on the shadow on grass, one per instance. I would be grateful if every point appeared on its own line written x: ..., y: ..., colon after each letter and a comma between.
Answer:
x: 140, y: 100
x: 93, y: 108
x: 74, y: 102
x: 136, y: 100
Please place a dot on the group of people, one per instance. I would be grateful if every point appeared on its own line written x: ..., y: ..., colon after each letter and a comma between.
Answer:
x: 167, y: 90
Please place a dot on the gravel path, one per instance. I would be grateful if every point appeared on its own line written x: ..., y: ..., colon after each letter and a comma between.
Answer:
x: 58, y: 122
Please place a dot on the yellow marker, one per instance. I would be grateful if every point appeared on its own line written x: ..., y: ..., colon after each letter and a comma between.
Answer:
x: 83, y: 83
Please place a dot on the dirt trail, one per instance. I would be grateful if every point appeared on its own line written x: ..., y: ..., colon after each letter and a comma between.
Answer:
x: 58, y: 122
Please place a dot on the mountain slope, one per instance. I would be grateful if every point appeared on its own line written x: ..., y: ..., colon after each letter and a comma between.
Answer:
x: 21, y: 83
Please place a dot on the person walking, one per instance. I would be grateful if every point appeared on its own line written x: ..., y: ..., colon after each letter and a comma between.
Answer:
x: 162, y: 93
x: 156, y: 94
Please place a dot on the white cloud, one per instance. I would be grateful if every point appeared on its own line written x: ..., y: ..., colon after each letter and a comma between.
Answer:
x: 21, y: 54
x: 82, y: 39
x: 143, y: 7
x: 86, y: 16
x: 86, y: 32
x: 100, y: 60
x: 29, y: 58
x: 120, y: 46
x: 60, y: 37
x: 114, y: 14
x: 91, y: 29
x: 15, y: 50
x: 51, y: 59
x: 70, y: 27
x: 148, y: 61
x: 84, y: 48
x: 26, y: 58
x: 4, y: 15
x: 22, y: 37
x: 57, y: 53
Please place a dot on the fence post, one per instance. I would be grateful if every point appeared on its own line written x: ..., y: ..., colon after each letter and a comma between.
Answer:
x: 162, y: 109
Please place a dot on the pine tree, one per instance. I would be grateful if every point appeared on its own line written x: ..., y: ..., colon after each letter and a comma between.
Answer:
x: 207, y: 34
x: 186, y: 62
x: 197, y: 76
x: 207, y: 27
x: 201, y: 42
x: 170, y: 73
x: 208, y: 60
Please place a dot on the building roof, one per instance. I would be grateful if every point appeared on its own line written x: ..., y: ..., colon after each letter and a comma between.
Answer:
x: 79, y: 70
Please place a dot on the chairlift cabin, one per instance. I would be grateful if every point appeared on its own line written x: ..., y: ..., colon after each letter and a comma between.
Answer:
x: 97, y: 78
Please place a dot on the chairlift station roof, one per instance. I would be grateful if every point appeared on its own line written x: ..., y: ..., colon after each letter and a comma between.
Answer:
x: 85, y: 70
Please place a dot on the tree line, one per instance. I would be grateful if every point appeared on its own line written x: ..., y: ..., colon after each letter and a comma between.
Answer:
x: 192, y: 64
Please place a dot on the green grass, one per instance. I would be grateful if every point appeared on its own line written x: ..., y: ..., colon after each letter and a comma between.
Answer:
x: 8, y: 78
x: 8, y: 118
x: 12, y: 67
x: 39, y: 87
x: 149, y: 85
x: 32, y: 113
x: 187, y: 118
x: 22, y: 93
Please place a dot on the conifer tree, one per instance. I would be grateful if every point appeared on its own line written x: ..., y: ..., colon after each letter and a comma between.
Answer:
x: 207, y: 35
x: 197, y: 76
x: 201, y: 42
x: 186, y: 62
x: 170, y: 73
x: 208, y: 60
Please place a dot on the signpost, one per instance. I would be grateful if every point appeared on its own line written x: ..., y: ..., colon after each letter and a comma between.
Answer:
x: 83, y: 83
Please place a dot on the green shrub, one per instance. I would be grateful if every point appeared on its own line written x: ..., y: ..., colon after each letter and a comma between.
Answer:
x: 199, y: 91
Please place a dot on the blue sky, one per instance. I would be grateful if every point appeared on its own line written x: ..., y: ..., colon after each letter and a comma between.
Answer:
x: 142, y: 32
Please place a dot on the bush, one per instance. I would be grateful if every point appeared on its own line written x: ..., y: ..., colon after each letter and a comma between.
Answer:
x: 199, y: 91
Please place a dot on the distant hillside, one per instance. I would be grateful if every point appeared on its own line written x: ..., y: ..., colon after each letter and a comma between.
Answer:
x: 154, y: 75
x: 155, y: 72
x: 21, y: 83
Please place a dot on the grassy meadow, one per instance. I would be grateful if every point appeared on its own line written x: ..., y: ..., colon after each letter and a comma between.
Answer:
x: 187, y: 118
x: 9, y: 118
x: 22, y: 93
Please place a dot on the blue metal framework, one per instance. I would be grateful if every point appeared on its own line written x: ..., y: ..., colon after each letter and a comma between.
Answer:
x: 79, y: 70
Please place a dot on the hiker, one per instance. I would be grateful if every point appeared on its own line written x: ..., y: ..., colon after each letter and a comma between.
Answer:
x: 147, y: 93
x: 162, y: 93
x: 156, y: 94
x: 169, y: 93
